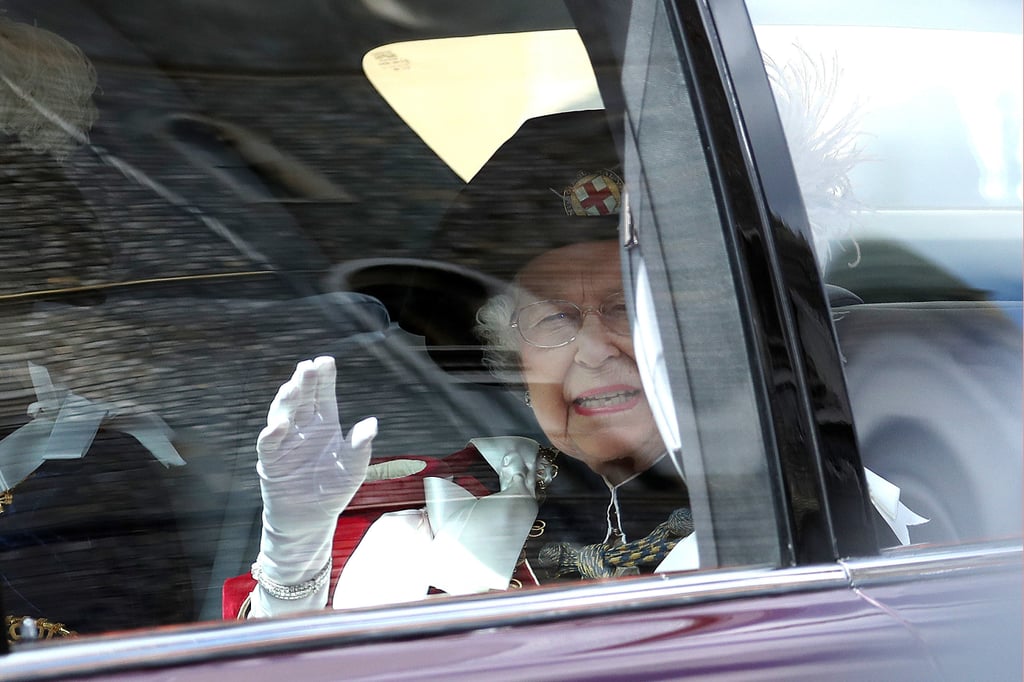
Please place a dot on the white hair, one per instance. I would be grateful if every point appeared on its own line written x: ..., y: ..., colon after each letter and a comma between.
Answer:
x: 501, y: 345
x: 46, y: 87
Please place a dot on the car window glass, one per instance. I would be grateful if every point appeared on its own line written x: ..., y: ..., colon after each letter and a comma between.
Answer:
x: 186, y: 219
x: 917, y: 212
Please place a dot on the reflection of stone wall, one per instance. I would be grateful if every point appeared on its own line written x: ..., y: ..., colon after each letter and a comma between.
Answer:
x: 51, y: 238
x: 337, y: 125
x: 194, y: 355
x: 209, y: 367
x: 208, y: 356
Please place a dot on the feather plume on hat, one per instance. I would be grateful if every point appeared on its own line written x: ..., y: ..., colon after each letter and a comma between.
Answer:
x: 46, y: 87
x: 823, y: 145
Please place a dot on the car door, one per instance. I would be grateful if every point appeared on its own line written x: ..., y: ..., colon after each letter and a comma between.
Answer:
x: 931, y: 350
x: 741, y: 350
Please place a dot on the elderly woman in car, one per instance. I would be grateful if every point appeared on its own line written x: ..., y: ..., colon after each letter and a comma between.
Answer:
x: 599, y: 499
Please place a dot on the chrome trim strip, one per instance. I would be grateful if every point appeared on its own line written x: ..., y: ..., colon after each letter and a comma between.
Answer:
x: 915, y: 563
x: 108, y: 654
x: 105, y: 655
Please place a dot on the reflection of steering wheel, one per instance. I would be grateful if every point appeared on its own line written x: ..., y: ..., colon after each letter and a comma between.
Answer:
x: 432, y: 299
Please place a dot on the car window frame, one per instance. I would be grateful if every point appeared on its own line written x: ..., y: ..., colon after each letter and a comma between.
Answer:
x: 792, y: 341
x: 675, y: 213
x: 790, y: 307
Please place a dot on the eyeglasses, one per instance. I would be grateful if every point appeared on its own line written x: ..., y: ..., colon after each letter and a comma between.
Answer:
x: 555, y: 323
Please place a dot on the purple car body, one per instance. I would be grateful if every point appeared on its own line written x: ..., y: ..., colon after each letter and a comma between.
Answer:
x: 917, y: 377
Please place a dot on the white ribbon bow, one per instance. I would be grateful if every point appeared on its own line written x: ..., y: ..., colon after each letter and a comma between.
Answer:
x: 477, y: 541
x: 885, y: 497
x: 460, y: 544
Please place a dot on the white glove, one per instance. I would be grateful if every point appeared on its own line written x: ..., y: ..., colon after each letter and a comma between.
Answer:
x: 308, y: 474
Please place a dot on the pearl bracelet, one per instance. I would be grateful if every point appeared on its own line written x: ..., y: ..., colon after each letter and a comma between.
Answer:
x: 291, y: 592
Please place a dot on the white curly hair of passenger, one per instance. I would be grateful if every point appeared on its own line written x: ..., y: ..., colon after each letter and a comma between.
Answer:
x: 494, y: 327
x: 46, y: 87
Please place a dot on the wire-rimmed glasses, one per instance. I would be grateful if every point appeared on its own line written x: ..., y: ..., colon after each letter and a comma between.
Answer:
x: 554, y: 323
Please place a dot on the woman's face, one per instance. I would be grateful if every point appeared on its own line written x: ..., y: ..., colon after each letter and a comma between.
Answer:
x: 587, y: 394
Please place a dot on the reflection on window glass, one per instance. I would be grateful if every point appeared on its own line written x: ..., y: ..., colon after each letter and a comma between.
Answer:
x: 918, y: 214
x: 598, y: 500
x: 683, y: 254
x: 193, y: 230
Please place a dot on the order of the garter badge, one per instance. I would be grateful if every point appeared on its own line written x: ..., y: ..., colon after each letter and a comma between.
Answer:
x: 593, y: 193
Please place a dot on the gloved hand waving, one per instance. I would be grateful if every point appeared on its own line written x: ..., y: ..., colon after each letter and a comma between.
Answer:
x: 308, y: 474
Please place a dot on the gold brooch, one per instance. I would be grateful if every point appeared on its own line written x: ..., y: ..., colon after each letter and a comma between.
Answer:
x: 24, y: 628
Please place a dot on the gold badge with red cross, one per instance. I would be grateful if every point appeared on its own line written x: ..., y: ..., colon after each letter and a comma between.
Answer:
x: 593, y: 193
